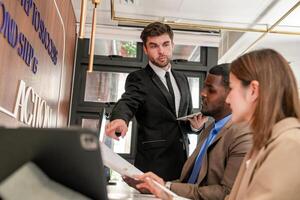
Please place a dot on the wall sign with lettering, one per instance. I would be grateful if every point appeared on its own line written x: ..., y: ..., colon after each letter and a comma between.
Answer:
x: 32, y: 48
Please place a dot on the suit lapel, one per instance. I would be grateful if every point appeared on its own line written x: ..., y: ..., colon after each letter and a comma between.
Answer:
x: 186, y: 171
x: 183, y: 92
x: 203, y: 170
x: 156, y: 80
x: 188, y: 166
x: 247, y: 174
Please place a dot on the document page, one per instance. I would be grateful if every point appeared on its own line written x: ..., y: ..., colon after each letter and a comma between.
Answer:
x: 123, y: 167
x: 117, y: 163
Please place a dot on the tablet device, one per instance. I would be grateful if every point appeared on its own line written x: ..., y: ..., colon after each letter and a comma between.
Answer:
x: 70, y: 156
x: 188, y: 116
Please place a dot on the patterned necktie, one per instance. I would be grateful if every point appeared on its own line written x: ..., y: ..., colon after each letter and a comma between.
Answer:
x: 198, y: 161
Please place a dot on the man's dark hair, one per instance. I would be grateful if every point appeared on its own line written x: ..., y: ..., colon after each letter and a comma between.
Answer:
x: 222, y: 70
x: 156, y: 29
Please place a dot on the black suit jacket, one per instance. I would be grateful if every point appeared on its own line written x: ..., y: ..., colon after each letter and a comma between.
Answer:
x: 162, y: 145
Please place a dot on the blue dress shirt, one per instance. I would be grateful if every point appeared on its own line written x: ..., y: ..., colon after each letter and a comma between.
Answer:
x: 212, y: 135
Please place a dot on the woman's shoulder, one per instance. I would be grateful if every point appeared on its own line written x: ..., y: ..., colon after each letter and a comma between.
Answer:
x: 287, y: 129
x: 286, y: 136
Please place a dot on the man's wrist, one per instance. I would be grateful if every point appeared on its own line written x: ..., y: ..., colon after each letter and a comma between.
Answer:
x: 197, y: 130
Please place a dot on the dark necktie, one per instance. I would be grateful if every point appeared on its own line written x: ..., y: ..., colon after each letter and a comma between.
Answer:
x: 171, y: 91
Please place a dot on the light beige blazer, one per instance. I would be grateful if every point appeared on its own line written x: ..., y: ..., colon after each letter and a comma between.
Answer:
x: 274, y: 174
x: 220, y: 164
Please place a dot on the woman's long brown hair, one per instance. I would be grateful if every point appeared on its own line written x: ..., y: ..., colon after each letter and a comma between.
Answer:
x: 278, y: 94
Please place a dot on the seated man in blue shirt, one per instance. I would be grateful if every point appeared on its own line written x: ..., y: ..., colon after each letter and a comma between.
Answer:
x: 210, y: 171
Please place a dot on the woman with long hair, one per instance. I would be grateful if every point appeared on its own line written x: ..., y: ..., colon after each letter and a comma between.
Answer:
x: 264, y: 94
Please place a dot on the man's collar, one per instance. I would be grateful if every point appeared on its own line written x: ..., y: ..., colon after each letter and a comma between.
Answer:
x: 159, y: 70
x: 219, y: 124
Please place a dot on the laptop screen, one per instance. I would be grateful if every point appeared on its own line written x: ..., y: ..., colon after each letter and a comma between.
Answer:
x: 68, y: 156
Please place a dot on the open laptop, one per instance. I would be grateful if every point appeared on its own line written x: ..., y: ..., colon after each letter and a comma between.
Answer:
x: 68, y: 156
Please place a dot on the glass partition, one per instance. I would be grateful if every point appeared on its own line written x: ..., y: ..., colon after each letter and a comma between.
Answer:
x: 194, y: 83
x: 122, y: 146
x: 187, y: 52
x: 105, y: 47
x: 104, y: 86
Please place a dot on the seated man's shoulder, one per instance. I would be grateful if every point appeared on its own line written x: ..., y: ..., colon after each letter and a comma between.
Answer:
x: 239, y: 138
x: 239, y: 129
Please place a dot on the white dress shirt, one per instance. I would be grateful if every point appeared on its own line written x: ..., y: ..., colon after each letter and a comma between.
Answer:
x: 161, y: 72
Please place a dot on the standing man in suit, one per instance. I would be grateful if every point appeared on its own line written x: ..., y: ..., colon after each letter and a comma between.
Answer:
x: 209, y: 173
x: 156, y: 96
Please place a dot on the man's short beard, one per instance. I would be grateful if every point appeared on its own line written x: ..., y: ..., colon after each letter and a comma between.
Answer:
x: 217, y: 110
x: 160, y: 66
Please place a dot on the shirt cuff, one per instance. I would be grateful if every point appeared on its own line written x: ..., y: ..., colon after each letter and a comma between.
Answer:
x: 168, y: 185
x: 196, y: 130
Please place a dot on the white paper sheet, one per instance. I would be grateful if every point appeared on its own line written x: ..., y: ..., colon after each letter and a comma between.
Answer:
x: 123, y: 167
x: 117, y: 163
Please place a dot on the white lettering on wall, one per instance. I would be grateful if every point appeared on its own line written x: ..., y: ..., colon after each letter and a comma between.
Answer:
x: 31, y: 109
